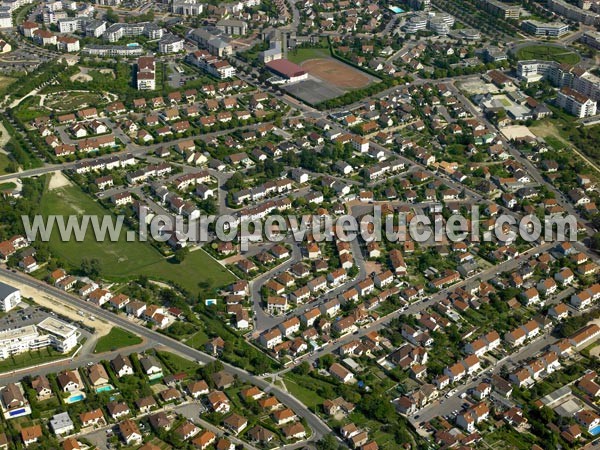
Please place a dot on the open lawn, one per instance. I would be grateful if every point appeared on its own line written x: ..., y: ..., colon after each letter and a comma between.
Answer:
x: 6, y: 81
x: 299, y: 55
x: 117, y: 338
x: 506, y: 438
x: 197, y: 267
x: 307, y: 396
x: 29, y: 359
x: 4, y: 162
x: 197, y: 340
x: 122, y: 260
x: 548, y: 53
x: 555, y: 143
x: 306, y: 388
x: 30, y: 108
x: 20, y: 15
x: 7, y: 186
x: 547, y: 129
x: 177, y: 364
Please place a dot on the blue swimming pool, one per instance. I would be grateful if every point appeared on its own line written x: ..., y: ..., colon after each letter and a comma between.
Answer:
x: 595, y: 431
x: 396, y: 9
x: 75, y: 398
x: 106, y: 388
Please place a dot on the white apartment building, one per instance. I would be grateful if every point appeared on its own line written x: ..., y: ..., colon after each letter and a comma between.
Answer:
x: 6, y: 20
x: 146, y: 74
x: 71, y: 25
x: 588, y: 84
x: 9, y: 297
x: 63, y: 336
x: 415, y: 23
x: 121, y: 30
x: 170, y: 43
x: 575, y: 103
x: 50, y: 332
x: 573, y: 12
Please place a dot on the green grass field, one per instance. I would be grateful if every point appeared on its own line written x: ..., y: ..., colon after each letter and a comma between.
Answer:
x: 555, y: 143
x: 117, y: 338
x: 33, y: 358
x: 176, y: 363
x: 4, y: 161
x: 548, y: 53
x: 299, y: 55
x: 7, y: 186
x: 307, y: 396
x: 6, y: 81
x: 197, y: 340
x: 122, y: 260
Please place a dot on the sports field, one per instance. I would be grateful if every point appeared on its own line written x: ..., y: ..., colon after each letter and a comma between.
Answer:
x: 299, y: 55
x: 122, y: 260
x: 337, y: 73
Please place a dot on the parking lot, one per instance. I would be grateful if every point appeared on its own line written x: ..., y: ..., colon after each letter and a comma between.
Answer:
x: 22, y: 316
x: 26, y: 314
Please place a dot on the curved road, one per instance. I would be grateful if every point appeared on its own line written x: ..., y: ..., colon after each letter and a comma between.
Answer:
x: 319, y: 427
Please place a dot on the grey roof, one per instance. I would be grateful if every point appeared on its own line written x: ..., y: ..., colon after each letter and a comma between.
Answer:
x: 148, y: 362
x: 6, y: 290
x: 61, y: 420
x: 170, y: 39
x: 231, y: 23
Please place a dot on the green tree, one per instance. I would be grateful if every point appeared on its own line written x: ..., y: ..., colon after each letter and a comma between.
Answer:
x: 596, y: 241
x: 90, y: 267
x: 111, y: 16
x: 180, y: 254
x: 235, y: 182
x: 329, y: 442
x: 303, y: 369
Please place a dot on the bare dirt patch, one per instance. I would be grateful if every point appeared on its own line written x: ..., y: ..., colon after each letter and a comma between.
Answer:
x: 58, y: 180
x: 546, y: 128
x: 84, y: 77
x: 4, y: 138
x: 516, y: 131
x: 336, y: 73
x: 57, y: 305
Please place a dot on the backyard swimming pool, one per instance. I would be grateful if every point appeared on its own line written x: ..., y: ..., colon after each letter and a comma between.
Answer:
x: 106, y: 388
x: 75, y: 398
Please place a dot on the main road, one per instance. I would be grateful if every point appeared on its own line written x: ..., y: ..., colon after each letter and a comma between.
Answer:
x: 319, y: 427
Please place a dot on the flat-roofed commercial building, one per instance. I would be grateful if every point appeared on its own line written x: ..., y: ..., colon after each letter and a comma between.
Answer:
x: 63, y: 337
x: 49, y: 332
x: 550, y: 29
x: 592, y: 39
x: 500, y: 9
x: 287, y: 70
